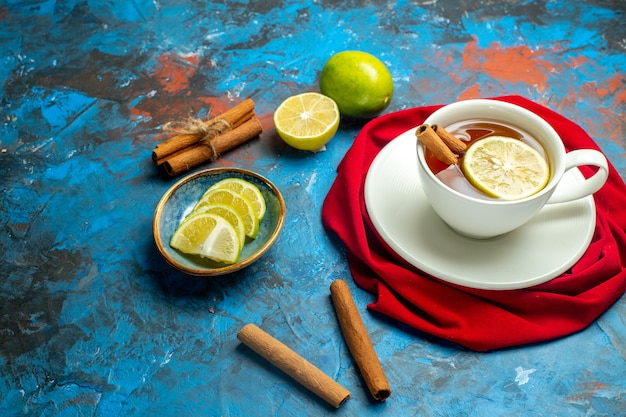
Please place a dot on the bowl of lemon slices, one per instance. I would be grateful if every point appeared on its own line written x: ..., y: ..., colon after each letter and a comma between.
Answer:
x: 217, y: 221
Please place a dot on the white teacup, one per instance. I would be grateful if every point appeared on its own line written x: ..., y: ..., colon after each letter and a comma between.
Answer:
x: 484, y: 218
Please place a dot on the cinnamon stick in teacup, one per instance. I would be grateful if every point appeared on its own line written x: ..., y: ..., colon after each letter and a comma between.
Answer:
x: 455, y: 144
x: 358, y: 341
x: 293, y: 365
x: 435, y: 144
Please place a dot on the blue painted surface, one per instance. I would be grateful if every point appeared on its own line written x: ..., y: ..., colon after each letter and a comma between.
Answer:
x: 94, y: 322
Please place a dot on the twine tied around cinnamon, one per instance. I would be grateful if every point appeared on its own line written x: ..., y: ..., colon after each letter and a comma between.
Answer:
x: 205, y: 132
x: 197, y: 142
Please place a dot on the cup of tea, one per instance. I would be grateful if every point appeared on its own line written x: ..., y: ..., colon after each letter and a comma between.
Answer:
x: 474, y: 214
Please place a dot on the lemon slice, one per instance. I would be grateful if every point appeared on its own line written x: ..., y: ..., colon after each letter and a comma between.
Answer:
x: 234, y: 201
x: 209, y: 236
x: 230, y: 215
x: 247, y: 190
x: 307, y: 121
x: 505, y: 168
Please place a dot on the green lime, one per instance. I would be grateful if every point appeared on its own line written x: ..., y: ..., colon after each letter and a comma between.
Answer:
x: 360, y: 83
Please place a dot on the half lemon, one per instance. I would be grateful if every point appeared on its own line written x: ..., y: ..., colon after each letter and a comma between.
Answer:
x: 307, y: 121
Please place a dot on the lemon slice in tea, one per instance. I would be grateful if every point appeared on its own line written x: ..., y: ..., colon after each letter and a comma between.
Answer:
x: 307, y: 121
x: 247, y: 190
x: 505, y: 168
x: 234, y: 201
x: 209, y: 236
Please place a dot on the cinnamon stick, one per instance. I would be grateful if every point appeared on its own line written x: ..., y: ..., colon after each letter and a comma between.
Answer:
x: 455, y: 144
x: 435, y: 144
x: 293, y: 365
x: 172, y: 146
x: 358, y: 341
x: 230, y: 119
x: 202, y: 152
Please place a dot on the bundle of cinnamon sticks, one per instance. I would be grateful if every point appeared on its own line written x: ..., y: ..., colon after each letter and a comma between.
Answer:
x: 197, y: 142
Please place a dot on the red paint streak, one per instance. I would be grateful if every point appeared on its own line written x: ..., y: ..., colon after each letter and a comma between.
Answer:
x: 267, y: 121
x: 589, y: 88
x: 609, y: 87
x: 616, y: 85
x: 217, y: 105
x: 606, y: 91
x: 455, y: 77
x: 137, y: 114
x: 4, y: 12
x: 575, y: 62
x: 470, y: 92
x: 620, y: 97
x: 588, y: 389
x: 174, y: 72
x: 516, y: 64
x: 610, y: 123
x: 604, y: 123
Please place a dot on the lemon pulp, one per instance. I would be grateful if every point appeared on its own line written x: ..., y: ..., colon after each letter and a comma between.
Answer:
x: 505, y: 168
x: 209, y: 236
x: 236, y: 202
x: 228, y: 214
x: 307, y: 121
x: 247, y: 190
x: 221, y: 220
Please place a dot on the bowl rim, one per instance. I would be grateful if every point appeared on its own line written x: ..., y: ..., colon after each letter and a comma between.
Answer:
x: 156, y: 230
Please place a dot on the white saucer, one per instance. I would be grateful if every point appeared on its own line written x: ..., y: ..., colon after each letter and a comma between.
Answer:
x: 540, y: 250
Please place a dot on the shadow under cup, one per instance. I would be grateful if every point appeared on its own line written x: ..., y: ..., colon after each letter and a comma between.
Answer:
x: 484, y: 218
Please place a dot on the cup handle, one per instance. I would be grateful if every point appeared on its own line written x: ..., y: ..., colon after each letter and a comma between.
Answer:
x: 581, y: 157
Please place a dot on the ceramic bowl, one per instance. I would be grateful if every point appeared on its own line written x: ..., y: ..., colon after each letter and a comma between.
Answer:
x: 180, y: 199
